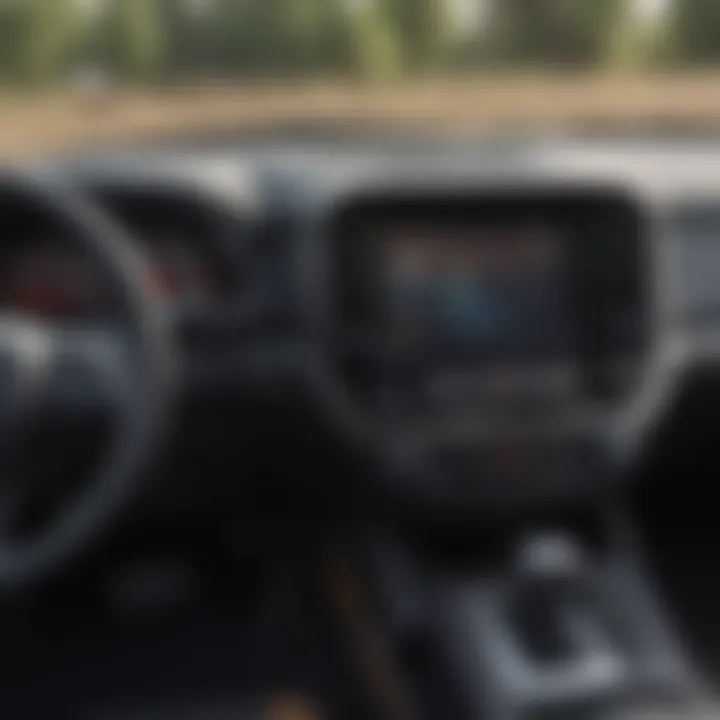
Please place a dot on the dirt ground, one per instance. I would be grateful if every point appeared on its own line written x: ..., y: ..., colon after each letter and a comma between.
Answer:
x: 36, y: 125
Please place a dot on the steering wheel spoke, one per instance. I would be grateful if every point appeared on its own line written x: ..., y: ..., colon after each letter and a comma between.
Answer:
x: 92, y: 368
x: 60, y: 366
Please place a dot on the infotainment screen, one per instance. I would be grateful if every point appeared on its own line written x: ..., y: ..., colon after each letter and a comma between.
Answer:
x: 485, y: 291
x: 468, y: 294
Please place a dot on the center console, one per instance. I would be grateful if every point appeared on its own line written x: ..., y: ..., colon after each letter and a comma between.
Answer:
x: 486, y: 344
x: 544, y: 628
x: 486, y: 340
x: 561, y: 635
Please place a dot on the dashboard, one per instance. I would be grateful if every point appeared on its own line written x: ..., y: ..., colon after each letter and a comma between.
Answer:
x: 476, y: 336
x: 44, y: 274
x: 440, y: 342
x: 477, y: 285
x: 474, y: 327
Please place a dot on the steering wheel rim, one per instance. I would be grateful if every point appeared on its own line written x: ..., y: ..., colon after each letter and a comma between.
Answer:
x: 140, y: 423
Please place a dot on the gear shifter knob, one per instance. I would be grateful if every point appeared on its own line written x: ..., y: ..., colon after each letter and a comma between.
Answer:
x: 548, y: 597
x: 545, y: 557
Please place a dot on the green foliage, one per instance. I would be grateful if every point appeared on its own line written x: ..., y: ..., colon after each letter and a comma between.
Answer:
x: 630, y: 45
x: 12, y: 30
x: 189, y: 43
x: 640, y: 45
x: 336, y: 47
x: 377, y: 54
x: 51, y: 39
x: 245, y: 35
x: 149, y: 40
x: 133, y: 42
x: 664, y: 47
x: 696, y: 31
x: 281, y: 37
x: 422, y: 28
x: 552, y: 33
x: 320, y: 33
x: 38, y: 40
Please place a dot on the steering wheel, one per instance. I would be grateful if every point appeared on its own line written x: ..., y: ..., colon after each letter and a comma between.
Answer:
x: 132, y: 369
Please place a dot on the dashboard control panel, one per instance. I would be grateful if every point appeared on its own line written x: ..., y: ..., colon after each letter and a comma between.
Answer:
x: 491, y: 331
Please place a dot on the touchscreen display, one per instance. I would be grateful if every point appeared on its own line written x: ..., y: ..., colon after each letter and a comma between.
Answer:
x: 469, y: 294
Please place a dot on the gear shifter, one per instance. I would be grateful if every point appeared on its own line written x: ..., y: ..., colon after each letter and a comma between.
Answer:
x: 547, y: 599
x: 559, y: 632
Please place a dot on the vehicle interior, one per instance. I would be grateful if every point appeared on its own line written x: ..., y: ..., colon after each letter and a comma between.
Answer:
x: 358, y: 428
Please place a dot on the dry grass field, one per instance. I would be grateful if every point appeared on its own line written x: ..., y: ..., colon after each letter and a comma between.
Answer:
x: 35, y: 125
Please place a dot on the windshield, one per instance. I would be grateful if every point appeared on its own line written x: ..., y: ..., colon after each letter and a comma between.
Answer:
x: 76, y: 72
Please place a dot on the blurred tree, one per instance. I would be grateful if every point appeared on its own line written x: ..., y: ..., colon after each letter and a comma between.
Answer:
x: 695, y: 31
x: 133, y: 39
x: 283, y: 37
x: 555, y: 33
x: 188, y: 28
x: 38, y: 40
x: 295, y: 31
x: 376, y: 50
x: 230, y: 37
x: 13, y: 26
x: 144, y: 40
x: 423, y: 31
x: 247, y: 36
x: 315, y: 36
x: 336, y: 53
x: 51, y: 41
x: 640, y: 42
x: 630, y: 45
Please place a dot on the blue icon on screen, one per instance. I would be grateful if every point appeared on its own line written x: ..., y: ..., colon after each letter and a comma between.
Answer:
x: 471, y: 309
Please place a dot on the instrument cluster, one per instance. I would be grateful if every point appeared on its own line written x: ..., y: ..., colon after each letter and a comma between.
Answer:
x: 45, y: 274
